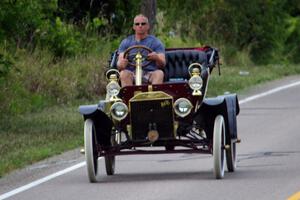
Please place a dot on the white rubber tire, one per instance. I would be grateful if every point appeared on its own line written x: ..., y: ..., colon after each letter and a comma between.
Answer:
x: 218, y: 147
x: 89, y: 145
x: 110, y: 165
x: 231, y: 157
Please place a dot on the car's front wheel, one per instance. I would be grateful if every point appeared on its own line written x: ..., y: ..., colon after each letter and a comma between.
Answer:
x: 218, y: 147
x: 91, y: 154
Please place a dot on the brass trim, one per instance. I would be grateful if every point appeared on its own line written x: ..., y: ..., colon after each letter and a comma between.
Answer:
x: 197, y: 93
x: 175, y: 123
x: 138, y: 69
x: 107, y: 105
x: 150, y: 88
x: 129, y: 130
x: 111, y: 72
x: 137, y: 92
x: 154, y: 95
x: 196, y: 72
x: 153, y: 135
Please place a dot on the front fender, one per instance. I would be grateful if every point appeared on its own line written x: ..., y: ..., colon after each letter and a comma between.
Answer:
x: 103, y: 123
x: 225, y: 105
x: 87, y: 109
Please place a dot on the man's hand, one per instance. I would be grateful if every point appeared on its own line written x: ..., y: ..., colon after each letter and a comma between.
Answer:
x: 158, y: 58
x: 122, y: 62
x: 153, y: 56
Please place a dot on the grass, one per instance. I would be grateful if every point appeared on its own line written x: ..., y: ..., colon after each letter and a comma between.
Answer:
x: 38, y: 80
x: 235, y: 79
x: 30, y: 137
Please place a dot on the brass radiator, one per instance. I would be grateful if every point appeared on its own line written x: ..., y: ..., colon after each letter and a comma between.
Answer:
x: 151, y: 111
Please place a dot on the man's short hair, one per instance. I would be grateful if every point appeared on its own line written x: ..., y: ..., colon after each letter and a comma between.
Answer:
x: 142, y: 15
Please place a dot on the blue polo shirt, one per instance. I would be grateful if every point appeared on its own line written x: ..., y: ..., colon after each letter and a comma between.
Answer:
x: 150, y: 41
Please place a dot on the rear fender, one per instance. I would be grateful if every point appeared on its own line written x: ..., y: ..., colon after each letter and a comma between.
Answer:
x: 103, y: 124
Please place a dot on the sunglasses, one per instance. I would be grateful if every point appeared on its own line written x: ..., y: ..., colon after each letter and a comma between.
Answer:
x: 142, y: 24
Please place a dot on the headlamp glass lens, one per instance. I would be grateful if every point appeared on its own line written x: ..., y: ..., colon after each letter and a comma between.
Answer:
x: 195, y: 82
x: 119, y: 110
x: 113, y: 88
x: 183, y: 107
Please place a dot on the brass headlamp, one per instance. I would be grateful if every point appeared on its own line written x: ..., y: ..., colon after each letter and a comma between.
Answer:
x: 112, y: 88
x: 195, y: 82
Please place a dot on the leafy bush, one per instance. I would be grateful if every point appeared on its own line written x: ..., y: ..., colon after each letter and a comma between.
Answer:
x: 36, y: 82
x: 6, y: 64
x: 256, y: 26
x: 292, y: 50
x: 20, y: 19
x: 61, y: 38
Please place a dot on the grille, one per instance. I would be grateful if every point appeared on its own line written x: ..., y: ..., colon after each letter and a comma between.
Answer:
x: 144, y: 112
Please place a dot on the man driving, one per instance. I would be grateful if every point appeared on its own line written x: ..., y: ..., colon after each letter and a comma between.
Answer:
x: 152, y: 73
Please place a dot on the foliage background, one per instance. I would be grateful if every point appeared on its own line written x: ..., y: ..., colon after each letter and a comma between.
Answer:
x: 54, y: 51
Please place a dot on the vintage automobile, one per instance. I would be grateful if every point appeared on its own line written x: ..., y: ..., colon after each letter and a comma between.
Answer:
x: 173, y: 117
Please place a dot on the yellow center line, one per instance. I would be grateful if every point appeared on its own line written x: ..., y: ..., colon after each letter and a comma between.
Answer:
x: 295, y: 196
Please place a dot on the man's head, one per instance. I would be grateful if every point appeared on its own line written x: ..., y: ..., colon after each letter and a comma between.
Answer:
x: 141, y: 25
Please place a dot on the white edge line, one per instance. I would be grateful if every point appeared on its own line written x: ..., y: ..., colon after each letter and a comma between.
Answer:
x: 272, y: 91
x: 42, y: 180
x: 79, y: 165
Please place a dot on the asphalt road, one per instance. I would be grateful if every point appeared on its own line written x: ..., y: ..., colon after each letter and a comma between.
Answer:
x: 268, y: 164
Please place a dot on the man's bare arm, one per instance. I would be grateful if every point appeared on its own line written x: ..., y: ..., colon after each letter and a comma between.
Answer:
x: 122, y: 62
x: 159, y: 59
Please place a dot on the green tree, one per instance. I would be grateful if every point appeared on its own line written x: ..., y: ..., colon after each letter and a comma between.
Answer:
x: 20, y: 19
x: 292, y: 48
x: 255, y: 25
x: 117, y: 13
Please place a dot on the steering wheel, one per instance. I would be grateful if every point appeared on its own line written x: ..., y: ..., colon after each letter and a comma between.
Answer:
x: 131, y: 55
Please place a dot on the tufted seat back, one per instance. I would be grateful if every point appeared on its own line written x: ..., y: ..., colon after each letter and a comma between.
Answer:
x: 178, y: 61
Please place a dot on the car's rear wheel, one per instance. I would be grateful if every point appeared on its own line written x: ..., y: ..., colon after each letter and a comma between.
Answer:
x: 110, y: 164
x: 218, y: 147
x: 169, y: 147
x: 231, y: 157
x: 91, y: 154
x: 111, y: 159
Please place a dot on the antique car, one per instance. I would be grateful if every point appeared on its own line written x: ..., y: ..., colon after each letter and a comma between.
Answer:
x: 173, y: 117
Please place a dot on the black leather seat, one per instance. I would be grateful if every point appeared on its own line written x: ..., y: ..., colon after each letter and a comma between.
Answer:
x: 178, y: 61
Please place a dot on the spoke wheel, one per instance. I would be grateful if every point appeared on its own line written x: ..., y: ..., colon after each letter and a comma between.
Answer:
x: 218, y: 147
x: 231, y: 157
x: 91, y: 154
